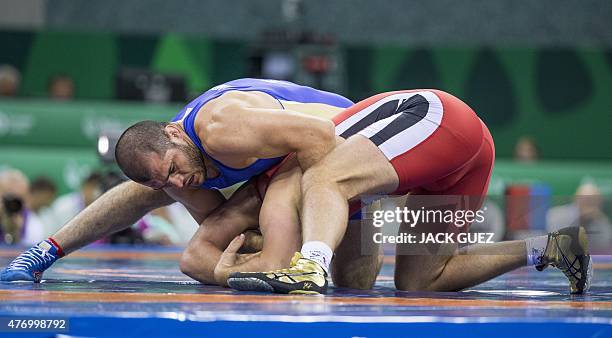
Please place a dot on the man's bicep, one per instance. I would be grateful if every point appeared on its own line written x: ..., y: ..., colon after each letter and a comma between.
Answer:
x: 266, y: 132
x: 239, y: 213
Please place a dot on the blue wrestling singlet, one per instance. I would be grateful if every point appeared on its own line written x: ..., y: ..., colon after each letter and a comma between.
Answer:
x: 280, y: 90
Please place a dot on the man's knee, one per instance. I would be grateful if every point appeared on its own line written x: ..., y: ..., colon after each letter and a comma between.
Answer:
x: 420, y: 274
x: 409, y: 282
x: 188, y: 263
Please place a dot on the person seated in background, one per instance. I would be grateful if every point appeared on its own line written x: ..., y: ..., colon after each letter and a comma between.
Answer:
x: 184, y: 225
x: 157, y: 228
x: 154, y: 228
x: 61, y: 87
x: 493, y: 221
x: 18, y: 225
x: 10, y: 79
x: 42, y: 193
x: 526, y: 150
x: 586, y: 210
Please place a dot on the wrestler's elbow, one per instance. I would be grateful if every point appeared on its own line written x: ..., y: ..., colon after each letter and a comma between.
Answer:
x: 327, y: 133
x: 322, y: 137
x: 187, y: 263
x: 314, y: 143
x: 192, y: 266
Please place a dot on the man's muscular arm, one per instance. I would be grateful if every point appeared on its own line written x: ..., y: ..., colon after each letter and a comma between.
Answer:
x: 279, y: 224
x: 255, y: 125
x: 232, y: 218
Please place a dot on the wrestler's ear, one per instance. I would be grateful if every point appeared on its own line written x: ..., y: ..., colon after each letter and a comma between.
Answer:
x: 173, y: 132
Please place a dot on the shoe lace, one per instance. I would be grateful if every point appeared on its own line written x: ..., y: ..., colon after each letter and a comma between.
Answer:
x: 34, y: 256
x: 570, y: 269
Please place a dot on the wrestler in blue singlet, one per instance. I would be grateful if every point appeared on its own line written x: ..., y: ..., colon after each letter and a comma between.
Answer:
x: 280, y: 90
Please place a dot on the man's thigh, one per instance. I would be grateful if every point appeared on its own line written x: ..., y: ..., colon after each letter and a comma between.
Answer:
x: 418, y: 265
x: 357, y: 166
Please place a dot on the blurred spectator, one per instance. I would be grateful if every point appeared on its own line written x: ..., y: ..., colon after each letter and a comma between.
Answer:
x: 42, y: 193
x: 493, y: 221
x: 18, y: 225
x: 10, y: 78
x: 526, y: 150
x: 61, y: 87
x: 585, y: 210
x: 184, y: 225
x: 67, y: 206
x: 157, y: 228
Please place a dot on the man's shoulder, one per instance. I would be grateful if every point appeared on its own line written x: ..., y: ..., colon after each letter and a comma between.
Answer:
x: 235, y: 96
x: 235, y: 102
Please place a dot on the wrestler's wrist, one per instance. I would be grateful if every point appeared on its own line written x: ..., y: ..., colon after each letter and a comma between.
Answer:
x: 221, y: 276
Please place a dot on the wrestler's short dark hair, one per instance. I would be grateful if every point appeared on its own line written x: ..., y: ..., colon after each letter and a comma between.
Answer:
x: 140, y: 139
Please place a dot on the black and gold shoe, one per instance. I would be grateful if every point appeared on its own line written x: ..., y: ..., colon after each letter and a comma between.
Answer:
x: 304, y: 276
x: 568, y: 251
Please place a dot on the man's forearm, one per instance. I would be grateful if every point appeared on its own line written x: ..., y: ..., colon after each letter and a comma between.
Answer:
x: 115, y: 210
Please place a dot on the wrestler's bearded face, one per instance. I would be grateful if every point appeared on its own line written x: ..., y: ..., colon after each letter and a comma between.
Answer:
x: 192, y: 156
x: 182, y: 166
x: 187, y: 161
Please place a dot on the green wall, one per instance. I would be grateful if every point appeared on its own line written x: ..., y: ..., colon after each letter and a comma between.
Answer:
x: 560, y: 97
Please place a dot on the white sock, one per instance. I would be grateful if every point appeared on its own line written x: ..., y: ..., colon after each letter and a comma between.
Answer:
x: 535, y: 249
x: 318, y: 252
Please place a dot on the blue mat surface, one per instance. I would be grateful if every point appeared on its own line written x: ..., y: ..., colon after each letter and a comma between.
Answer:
x: 120, y: 292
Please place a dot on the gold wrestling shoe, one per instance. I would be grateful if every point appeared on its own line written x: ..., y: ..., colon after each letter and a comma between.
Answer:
x: 567, y: 250
x: 303, y: 276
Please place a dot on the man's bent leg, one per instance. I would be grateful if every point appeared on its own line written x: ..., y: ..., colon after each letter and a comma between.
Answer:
x: 353, y: 168
x: 443, y: 268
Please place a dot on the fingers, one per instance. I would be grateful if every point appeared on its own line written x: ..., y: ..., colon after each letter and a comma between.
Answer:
x: 243, y: 258
x: 228, y: 257
x: 227, y: 260
x: 235, y: 245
